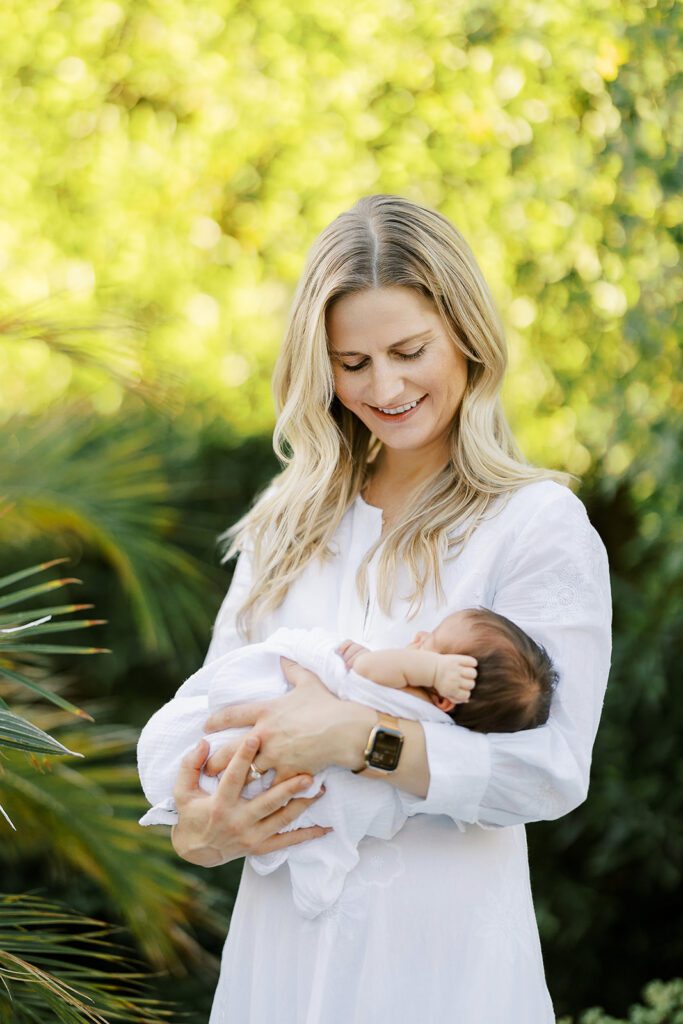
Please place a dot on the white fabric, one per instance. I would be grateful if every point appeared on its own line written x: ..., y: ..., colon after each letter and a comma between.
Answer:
x: 353, y: 807
x: 435, y: 924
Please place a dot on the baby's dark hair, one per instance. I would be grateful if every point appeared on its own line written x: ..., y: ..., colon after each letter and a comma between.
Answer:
x: 515, y: 677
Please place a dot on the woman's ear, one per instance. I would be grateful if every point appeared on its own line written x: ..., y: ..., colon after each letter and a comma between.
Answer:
x: 442, y: 703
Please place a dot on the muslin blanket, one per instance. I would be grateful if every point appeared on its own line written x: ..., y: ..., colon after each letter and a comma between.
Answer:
x: 354, y: 807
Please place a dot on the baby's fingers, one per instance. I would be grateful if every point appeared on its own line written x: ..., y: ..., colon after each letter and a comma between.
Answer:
x: 467, y: 661
x: 464, y: 692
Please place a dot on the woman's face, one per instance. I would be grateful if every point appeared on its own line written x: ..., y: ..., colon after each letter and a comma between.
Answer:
x: 395, y: 367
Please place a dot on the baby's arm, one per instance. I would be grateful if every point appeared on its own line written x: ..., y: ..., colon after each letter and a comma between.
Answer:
x: 451, y: 675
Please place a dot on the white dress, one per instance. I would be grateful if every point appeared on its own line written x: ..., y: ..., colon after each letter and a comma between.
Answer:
x: 437, y: 924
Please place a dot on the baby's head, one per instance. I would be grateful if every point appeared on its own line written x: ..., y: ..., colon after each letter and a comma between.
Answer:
x: 515, y: 676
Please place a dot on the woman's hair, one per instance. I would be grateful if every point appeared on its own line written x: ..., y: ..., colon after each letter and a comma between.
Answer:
x: 325, y: 450
x: 515, y: 677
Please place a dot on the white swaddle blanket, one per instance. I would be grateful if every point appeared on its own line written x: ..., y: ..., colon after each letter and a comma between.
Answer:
x: 354, y: 807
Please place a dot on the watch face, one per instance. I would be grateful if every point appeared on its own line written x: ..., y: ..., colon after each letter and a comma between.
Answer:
x: 386, y: 750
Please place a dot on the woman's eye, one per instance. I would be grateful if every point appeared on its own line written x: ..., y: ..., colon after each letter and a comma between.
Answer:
x: 411, y: 355
x: 401, y: 355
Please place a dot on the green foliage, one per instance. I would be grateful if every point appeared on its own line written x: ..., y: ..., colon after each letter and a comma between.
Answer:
x: 17, y: 650
x: 106, y: 484
x: 608, y: 877
x: 164, y: 168
x: 663, y: 1005
x: 82, y: 822
x: 65, y: 973
x: 58, y: 965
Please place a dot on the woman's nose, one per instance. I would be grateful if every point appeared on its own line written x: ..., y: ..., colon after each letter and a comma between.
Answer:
x: 387, y: 386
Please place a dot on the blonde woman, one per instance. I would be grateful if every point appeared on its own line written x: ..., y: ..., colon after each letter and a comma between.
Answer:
x: 402, y: 498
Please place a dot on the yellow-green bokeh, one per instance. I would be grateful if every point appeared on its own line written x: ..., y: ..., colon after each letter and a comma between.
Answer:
x: 167, y: 164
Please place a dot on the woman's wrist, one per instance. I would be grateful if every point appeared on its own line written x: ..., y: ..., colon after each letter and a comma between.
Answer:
x: 351, y: 733
x: 203, y: 857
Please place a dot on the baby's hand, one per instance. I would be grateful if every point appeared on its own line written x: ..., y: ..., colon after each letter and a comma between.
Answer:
x: 349, y: 651
x: 455, y: 677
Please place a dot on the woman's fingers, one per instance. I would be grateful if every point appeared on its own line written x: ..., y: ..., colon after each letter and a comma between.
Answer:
x: 282, y: 774
x: 295, y: 673
x: 275, y: 797
x: 221, y: 758
x: 283, y: 839
x: 234, y: 716
x: 235, y: 776
x: 191, y: 766
x: 285, y: 815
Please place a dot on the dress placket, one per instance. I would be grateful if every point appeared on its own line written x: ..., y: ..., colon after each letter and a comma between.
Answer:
x: 354, y: 616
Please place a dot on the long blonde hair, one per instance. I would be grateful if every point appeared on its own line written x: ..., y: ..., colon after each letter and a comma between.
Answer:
x: 382, y: 241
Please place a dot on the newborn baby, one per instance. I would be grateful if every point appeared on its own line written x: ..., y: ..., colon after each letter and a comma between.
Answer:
x: 475, y: 668
x: 514, y: 676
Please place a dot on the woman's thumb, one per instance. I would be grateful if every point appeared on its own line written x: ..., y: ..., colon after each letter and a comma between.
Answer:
x: 291, y: 670
x: 190, y: 768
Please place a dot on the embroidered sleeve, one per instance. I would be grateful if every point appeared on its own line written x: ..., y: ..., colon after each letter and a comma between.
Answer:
x: 555, y: 586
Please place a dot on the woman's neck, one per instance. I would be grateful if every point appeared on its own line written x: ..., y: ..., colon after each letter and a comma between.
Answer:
x: 395, y: 475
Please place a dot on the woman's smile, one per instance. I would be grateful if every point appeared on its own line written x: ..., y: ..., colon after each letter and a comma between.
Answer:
x: 398, y: 413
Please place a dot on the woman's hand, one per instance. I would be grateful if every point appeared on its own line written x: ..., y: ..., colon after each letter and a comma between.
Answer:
x: 216, y: 828
x: 305, y: 730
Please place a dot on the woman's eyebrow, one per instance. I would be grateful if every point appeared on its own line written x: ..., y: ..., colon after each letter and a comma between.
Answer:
x: 395, y: 344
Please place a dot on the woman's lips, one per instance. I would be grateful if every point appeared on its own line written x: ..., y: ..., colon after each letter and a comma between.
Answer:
x: 397, y: 417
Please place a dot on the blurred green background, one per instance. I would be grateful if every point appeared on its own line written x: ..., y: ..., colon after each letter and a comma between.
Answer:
x: 164, y: 167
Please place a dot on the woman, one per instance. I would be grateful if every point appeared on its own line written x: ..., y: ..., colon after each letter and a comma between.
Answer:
x: 402, y: 498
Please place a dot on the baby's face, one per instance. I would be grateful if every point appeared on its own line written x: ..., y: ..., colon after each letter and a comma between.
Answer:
x: 452, y: 636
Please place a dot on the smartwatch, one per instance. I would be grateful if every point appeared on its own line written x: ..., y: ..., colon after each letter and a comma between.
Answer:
x: 383, y: 749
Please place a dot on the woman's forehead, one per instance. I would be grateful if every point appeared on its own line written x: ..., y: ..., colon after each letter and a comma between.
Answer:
x: 384, y: 316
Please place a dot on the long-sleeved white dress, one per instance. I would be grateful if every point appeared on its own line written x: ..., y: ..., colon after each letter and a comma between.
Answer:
x: 436, y: 924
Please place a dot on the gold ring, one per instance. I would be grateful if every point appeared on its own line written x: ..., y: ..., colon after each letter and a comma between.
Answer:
x: 255, y: 773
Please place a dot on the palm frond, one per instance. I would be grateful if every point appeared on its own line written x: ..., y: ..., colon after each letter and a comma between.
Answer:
x: 52, y: 610
x: 103, y: 346
x: 21, y: 574
x: 15, y: 648
x: 19, y: 734
x: 51, y: 695
x: 58, y: 965
x: 85, y: 819
x: 108, y: 483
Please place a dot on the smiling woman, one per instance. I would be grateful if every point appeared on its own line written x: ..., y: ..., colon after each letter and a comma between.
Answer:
x: 389, y: 284
x: 402, y: 499
x: 398, y: 370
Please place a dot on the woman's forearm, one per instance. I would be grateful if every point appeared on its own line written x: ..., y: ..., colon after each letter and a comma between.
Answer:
x: 351, y: 736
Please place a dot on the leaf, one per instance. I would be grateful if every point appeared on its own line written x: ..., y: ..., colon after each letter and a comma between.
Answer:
x: 61, y: 609
x: 6, y: 581
x: 41, y: 588
x: 19, y: 734
x: 56, y: 964
x: 54, y: 698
